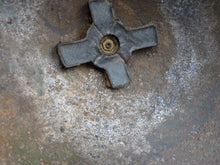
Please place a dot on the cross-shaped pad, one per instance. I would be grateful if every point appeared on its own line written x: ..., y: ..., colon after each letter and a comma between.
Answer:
x: 108, y: 44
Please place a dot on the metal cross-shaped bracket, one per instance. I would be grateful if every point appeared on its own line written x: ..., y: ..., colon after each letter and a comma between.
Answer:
x: 108, y: 44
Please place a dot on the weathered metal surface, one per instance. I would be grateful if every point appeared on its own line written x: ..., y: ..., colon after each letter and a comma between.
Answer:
x: 115, y: 49
x: 169, y: 114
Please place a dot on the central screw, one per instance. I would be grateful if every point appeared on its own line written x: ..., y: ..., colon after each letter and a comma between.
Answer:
x: 109, y: 45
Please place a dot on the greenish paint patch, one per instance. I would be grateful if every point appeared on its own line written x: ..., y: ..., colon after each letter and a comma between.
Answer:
x: 25, y: 151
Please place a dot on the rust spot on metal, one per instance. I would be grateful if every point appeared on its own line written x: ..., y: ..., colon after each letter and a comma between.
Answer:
x: 7, y: 106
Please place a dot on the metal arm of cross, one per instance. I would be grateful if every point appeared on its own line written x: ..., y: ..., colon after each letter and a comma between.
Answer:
x: 108, y: 44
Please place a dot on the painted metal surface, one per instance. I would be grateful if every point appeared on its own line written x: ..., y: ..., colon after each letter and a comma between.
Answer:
x: 169, y: 114
x: 112, y: 60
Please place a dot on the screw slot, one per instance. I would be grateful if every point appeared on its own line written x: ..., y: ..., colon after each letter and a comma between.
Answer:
x: 109, y: 45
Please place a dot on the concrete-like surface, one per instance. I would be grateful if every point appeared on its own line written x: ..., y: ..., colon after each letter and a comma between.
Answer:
x: 169, y: 114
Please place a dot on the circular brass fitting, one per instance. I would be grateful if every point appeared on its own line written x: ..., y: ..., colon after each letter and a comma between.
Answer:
x: 109, y: 45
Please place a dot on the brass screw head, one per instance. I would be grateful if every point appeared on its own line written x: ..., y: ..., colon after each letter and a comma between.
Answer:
x: 109, y: 45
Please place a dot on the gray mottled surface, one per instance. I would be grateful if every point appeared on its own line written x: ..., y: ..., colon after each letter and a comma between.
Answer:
x: 169, y: 114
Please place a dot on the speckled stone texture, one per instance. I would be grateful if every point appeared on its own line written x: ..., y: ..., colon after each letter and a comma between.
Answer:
x: 169, y: 114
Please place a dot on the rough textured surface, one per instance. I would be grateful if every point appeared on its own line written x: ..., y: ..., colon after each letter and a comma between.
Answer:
x: 168, y: 115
